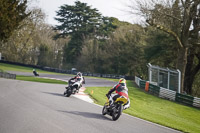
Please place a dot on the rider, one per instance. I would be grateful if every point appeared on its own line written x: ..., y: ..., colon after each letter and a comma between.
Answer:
x: 78, y: 78
x: 121, y: 90
x: 35, y: 72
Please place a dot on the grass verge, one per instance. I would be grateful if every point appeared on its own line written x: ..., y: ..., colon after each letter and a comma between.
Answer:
x: 154, y: 109
x: 42, y: 80
x: 9, y: 67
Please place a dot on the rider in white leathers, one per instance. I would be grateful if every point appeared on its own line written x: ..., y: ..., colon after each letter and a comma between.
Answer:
x: 79, y: 80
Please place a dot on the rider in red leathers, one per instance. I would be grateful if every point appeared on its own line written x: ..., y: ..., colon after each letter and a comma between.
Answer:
x: 121, y: 90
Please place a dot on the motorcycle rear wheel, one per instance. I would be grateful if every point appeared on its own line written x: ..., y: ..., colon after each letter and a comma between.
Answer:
x: 117, y: 112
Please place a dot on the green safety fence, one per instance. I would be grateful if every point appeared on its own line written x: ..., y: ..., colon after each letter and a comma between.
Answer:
x: 185, y: 99
x: 142, y: 84
x: 153, y: 89
x: 168, y: 94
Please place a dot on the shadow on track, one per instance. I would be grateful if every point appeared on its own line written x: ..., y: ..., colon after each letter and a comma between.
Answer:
x: 87, y: 114
x: 55, y: 94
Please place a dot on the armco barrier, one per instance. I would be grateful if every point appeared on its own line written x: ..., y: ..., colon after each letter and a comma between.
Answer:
x: 7, y: 75
x: 137, y: 81
x: 185, y: 99
x: 142, y: 84
x: 153, y: 89
x: 167, y: 94
x: 196, y: 102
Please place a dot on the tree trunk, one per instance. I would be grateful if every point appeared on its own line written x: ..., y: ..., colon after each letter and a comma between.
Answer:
x: 181, y: 65
x: 191, y: 70
x: 189, y: 78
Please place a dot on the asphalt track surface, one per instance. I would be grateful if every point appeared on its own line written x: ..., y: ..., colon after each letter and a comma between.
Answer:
x: 90, y: 82
x: 29, y: 107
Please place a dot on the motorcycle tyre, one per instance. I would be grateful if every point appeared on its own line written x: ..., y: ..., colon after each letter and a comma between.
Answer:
x: 65, y: 92
x: 104, y: 112
x: 68, y: 92
x: 120, y: 108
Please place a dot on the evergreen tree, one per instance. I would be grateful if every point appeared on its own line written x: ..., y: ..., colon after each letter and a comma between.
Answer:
x: 11, y: 14
x: 80, y: 21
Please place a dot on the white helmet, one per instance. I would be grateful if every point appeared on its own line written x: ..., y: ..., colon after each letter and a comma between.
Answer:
x: 79, y: 74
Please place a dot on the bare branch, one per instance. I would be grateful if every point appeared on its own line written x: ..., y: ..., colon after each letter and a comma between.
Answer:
x: 167, y: 31
x: 183, y: 3
x: 171, y: 16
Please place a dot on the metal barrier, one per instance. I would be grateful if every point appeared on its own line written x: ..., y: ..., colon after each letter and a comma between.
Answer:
x: 7, y: 75
x: 196, y: 102
x: 185, y: 99
x: 153, y: 89
x: 142, y: 84
x: 167, y: 93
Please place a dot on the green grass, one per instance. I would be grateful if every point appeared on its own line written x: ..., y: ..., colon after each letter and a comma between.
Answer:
x: 38, y: 79
x: 152, y: 108
x: 9, y: 67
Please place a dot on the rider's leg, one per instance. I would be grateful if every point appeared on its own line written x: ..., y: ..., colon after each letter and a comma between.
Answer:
x: 115, y: 97
x: 112, y: 98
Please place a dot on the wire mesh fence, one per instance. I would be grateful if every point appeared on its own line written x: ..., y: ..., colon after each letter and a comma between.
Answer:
x: 164, y: 77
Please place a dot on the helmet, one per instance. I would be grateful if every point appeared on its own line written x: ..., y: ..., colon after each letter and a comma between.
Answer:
x: 79, y: 74
x: 122, y: 81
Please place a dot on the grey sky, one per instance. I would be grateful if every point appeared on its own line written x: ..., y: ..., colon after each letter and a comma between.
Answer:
x: 110, y: 8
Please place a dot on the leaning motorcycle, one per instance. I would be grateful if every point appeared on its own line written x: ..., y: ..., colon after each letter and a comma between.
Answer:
x: 72, y: 88
x: 115, y: 109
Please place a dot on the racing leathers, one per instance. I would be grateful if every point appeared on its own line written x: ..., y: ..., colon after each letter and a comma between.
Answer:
x: 121, y: 90
x: 79, y: 80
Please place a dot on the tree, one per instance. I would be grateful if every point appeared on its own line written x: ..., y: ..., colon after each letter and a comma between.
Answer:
x: 11, y: 14
x: 122, y: 53
x: 125, y: 50
x: 32, y: 42
x: 181, y: 20
x: 159, y: 49
x: 77, y: 19
x: 22, y: 44
x: 79, y: 22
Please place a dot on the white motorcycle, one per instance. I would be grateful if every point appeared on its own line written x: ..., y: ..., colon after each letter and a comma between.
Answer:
x: 73, y: 87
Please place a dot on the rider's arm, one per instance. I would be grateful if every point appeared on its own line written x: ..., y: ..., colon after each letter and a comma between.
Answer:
x: 73, y: 78
x: 111, y: 90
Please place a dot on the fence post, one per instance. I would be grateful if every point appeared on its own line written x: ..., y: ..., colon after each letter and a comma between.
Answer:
x: 179, y: 81
x: 147, y: 86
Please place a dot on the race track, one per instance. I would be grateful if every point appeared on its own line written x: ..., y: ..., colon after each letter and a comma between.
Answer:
x: 29, y: 107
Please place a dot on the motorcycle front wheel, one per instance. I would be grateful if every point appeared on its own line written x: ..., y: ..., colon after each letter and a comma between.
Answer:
x: 117, y: 112
x: 68, y: 92
x: 104, y: 110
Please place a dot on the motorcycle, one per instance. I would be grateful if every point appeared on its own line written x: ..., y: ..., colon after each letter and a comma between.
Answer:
x: 72, y: 88
x: 35, y: 73
x: 116, y: 108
